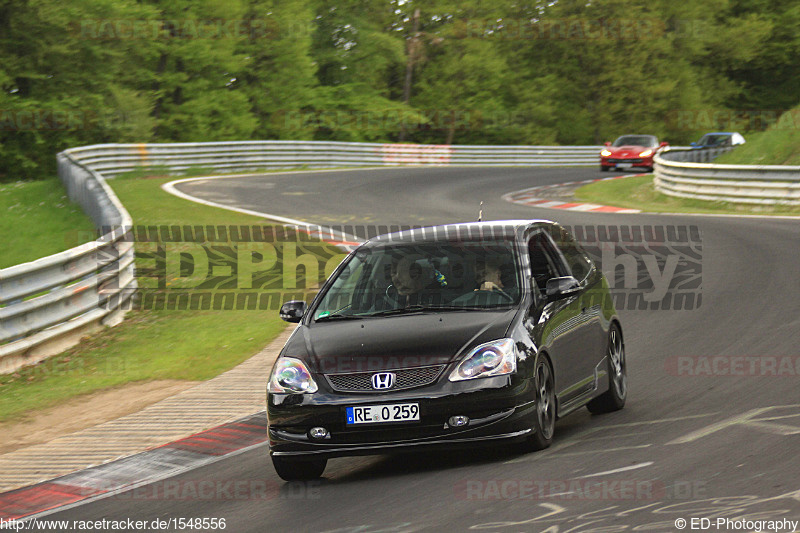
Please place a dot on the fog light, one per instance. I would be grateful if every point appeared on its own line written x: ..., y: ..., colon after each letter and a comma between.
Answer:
x: 458, y: 421
x: 318, y: 433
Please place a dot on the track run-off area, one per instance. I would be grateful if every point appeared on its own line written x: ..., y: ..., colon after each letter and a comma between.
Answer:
x: 718, y: 439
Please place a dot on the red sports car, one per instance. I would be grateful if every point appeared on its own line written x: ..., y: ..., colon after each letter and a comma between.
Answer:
x: 630, y: 151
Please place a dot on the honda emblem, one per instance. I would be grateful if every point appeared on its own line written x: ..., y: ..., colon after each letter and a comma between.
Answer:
x: 383, y: 380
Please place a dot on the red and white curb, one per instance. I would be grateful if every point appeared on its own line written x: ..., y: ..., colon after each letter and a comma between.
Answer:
x: 130, y: 472
x: 532, y: 197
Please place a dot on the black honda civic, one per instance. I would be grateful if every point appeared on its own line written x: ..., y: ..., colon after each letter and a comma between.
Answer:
x: 454, y: 335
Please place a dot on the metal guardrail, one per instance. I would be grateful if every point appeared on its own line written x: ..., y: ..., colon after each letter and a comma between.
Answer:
x: 687, y: 174
x: 114, y: 159
x: 45, y: 305
x: 687, y: 154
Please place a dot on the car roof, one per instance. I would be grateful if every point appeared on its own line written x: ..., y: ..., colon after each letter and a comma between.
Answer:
x: 490, y: 229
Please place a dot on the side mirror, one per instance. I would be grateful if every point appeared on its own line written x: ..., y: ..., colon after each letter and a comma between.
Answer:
x: 693, y: 144
x: 559, y: 288
x: 607, y: 143
x: 663, y: 144
x: 293, y: 310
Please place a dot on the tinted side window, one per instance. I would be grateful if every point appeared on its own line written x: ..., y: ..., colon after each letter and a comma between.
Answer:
x: 577, y: 259
x: 544, y: 264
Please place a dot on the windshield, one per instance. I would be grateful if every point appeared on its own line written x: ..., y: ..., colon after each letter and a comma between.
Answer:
x: 419, y: 277
x: 713, y: 139
x: 636, y: 140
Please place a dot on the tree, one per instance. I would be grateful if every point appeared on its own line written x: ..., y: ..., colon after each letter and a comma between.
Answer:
x: 60, y: 82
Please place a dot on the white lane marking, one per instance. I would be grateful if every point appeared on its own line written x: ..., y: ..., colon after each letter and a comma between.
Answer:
x: 579, y: 438
x: 746, y: 419
x: 623, y: 436
x: 779, y: 417
x: 585, y: 207
x: 532, y: 201
x: 313, y: 229
x: 618, y: 470
x: 659, y: 421
x: 778, y: 429
x: 607, y: 450
x: 171, y: 189
x: 551, y: 203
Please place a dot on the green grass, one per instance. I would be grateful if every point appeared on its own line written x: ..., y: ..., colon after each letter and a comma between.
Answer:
x: 37, y: 219
x: 639, y: 193
x: 147, y: 346
x: 150, y: 345
x: 149, y: 205
x: 778, y: 145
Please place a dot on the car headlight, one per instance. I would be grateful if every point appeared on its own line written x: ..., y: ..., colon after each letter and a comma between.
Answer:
x: 494, y: 358
x: 646, y: 153
x: 605, y: 153
x: 290, y: 376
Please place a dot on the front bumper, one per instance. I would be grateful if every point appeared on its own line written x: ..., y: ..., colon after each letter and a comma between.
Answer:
x: 611, y: 162
x: 499, y: 408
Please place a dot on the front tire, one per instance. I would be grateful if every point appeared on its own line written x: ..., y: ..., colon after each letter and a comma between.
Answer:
x: 291, y: 469
x: 614, y: 398
x: 544, y: 419
x: 604, y: 169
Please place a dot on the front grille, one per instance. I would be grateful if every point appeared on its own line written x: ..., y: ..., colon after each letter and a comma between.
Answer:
x: 624, y: 160
x: 406, y: 378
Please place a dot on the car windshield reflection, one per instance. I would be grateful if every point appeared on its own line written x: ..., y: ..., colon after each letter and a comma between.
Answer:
x: 636, y: 140
x: 408, y: 278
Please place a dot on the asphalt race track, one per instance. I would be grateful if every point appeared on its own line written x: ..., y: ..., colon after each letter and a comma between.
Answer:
x: 686, y: 446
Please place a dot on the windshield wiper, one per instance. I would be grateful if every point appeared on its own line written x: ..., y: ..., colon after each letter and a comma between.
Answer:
x: 337, y: 316
x: 423, y: 308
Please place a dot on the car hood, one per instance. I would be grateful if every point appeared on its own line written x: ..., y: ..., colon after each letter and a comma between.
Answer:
x: 395, y: 342
x: 627, y: 150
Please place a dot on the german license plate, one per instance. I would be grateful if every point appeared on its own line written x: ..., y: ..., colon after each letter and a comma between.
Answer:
x: 376, y: 414
x: 624, y: 165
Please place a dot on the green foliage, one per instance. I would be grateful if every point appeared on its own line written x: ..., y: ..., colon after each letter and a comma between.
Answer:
x: 767, y: 73
x: 75, y: 72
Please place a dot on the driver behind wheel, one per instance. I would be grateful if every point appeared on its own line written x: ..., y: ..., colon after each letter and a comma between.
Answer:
x: 407, y: 276
x: 488, y: 276
x: 415, y: 282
